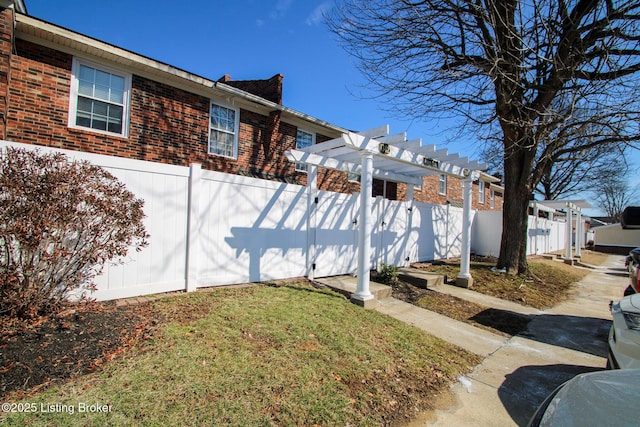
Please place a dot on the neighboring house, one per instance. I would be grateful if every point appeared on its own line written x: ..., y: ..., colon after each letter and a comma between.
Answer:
x: 615, y: 239
x: 59, y: 88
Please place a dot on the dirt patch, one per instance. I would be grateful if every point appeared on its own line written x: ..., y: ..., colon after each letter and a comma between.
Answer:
x: 77, y: 341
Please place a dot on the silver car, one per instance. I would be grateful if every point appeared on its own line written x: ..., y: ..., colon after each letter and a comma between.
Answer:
x: 624, y: 337
x: 601, y: 398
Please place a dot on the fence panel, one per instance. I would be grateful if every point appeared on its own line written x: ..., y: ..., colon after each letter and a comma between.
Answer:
x: 336, y: 234
x: 543, y: 236
x: 250, y: 230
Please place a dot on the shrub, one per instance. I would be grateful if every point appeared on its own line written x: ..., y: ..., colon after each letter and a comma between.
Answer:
x: 60, y: 221
x: 388, y: 274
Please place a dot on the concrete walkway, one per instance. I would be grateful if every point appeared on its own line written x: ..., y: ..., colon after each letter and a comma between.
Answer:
x: 519, y: 372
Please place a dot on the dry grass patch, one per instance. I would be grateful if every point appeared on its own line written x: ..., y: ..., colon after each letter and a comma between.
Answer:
x: 291, y: 355
x: 548, y: 284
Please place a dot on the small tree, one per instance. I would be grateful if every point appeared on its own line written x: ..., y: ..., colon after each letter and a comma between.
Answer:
x: 60, y: 221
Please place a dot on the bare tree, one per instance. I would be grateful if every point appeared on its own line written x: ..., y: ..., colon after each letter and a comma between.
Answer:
x: 501, y: 64
x: 613, y: 191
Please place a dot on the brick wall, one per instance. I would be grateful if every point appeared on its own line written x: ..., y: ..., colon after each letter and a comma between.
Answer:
x: 6, y: 36
x: 168, y: 125
x: 430, y: 193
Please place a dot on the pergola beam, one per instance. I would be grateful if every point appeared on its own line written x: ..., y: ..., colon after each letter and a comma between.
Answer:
x: 333, y: 164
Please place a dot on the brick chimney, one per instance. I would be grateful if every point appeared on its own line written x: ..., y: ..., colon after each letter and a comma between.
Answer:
x: 270, y: 89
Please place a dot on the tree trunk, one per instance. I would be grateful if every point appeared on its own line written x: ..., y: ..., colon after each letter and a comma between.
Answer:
x: 513, y: 245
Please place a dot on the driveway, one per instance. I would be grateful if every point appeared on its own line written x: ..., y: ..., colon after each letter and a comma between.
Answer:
x: 519, y: 372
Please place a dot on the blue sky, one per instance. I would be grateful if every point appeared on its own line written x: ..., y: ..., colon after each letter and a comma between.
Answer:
x: 247, y: 39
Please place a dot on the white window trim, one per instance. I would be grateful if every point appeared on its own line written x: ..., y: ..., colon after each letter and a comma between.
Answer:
x: 236, y: 129
x: 73, y: 96
x: 493, y: 198
x: 481, y: 192
x: 313, y: 142
x: 440, y: 180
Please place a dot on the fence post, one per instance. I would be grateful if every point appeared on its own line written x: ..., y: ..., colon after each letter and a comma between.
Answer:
x: 193, y: 228
x: 312, y: 208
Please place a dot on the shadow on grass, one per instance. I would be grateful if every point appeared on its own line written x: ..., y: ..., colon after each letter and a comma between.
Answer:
x: 527, y: 387
x: 309, y: 287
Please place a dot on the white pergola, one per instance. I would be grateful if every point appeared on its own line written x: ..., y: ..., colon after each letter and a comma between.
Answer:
x: 570, y: 206
x: 376, y: 154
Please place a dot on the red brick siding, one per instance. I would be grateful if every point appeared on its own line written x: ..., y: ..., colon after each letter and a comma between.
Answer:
x: 167, y: 124
x: 429, y: 193
x: 6, y: 35
x: 171, y: 126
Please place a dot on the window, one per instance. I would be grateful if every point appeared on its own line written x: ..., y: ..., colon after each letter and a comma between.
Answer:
x: 354, y: 177
x: 99, y: 98
x: 223, y: 131
x: 442, y: 186
x: 304, y: 139
x: 480, y: 191
x: 493, y: 199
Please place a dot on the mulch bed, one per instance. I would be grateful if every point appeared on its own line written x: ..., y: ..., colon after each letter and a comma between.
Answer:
x: 77, y: 341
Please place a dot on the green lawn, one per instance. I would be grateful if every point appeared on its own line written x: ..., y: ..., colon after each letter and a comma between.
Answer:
x: 290, y: 355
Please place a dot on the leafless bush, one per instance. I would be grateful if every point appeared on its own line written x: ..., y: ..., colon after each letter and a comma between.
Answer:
x: 60, y: 221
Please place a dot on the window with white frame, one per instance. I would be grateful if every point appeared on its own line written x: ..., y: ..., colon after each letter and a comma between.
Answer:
x: 493, y: 199
x: 480, y: 191
x: 442, y: 184
x: 223, y: 130
x: 304, y: 139
x: 99, y: 98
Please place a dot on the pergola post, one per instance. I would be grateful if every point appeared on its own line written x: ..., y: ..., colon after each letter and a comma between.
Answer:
x: 464, y: 279
x: 536, y: 214
x: 362, y: 294
x: 568, y: 259
x: 579, y: 232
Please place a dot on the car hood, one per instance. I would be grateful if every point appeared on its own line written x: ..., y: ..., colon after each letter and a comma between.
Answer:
x: 630, y: 304
x: 598, y: 398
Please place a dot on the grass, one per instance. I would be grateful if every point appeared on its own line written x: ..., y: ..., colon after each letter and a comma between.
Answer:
x: 291, y: 355
x: 549, y: 283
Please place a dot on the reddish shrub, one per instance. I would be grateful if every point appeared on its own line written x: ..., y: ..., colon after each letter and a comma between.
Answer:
x: 60, y: 221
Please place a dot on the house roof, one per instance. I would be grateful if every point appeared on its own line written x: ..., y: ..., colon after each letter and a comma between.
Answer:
x: 71, y: 42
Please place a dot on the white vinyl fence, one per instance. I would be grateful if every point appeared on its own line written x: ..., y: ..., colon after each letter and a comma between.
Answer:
x: 544, y: 235
x: 209, y: 228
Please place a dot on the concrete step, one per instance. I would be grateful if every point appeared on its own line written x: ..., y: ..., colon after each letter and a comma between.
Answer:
x: 347, y: 285
x: 421, y: 279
